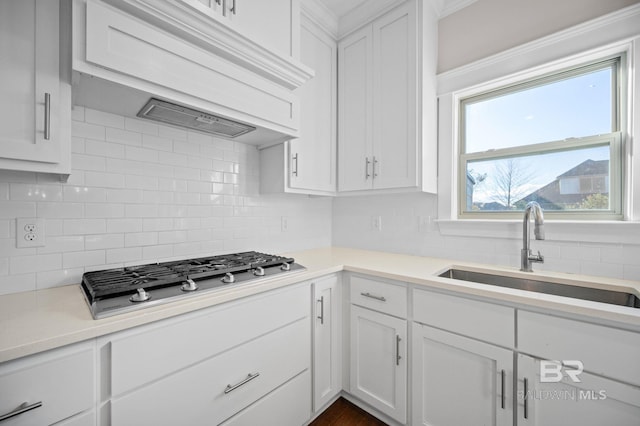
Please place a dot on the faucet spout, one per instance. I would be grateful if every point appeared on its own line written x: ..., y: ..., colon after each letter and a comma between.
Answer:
x: 526, y: 258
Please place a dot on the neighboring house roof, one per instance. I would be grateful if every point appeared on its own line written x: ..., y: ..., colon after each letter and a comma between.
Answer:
x: 549, y: 196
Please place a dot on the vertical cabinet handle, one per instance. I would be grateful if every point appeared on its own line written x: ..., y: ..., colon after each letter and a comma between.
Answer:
x: 375, y: 174
x: 398, y: 357
x: 249, y: 378
x: 47, y: 116
x: 366, y: 168
x: 233, y: 8
x: 321, y: 317
x: 502, y: 381
x: 22, y: 408
x: 526, y: 398
x: 294, y: 171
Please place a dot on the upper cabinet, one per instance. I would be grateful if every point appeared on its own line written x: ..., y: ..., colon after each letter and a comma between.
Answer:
x: 387, y: 133
x: 36, y: 104
x: 268, y: 23
x: 236, y: 59
x: 307, y: 165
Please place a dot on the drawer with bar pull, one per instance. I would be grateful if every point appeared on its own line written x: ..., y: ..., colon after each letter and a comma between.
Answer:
x: 378, y: 295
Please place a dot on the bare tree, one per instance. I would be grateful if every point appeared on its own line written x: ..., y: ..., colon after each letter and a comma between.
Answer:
x: 508, y: 181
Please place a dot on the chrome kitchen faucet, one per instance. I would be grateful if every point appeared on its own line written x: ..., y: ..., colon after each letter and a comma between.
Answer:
x: 526, y: 257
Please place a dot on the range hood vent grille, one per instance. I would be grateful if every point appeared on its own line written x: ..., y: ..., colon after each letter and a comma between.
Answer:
x: 178, y: 115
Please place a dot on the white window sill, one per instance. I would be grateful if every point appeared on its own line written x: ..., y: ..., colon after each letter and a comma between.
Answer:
x: 609, y: 232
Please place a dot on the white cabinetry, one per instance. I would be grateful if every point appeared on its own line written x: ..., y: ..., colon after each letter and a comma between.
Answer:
x: 607, y: 391
x: 207, y: 367
x: 460, y: 381
x: 307, y: 165
x: 327, y: 338
x: 378, y: 363
x: 378, y: 136
x: 35, y: 105
x: 268, y: 23
x: 50, y: 387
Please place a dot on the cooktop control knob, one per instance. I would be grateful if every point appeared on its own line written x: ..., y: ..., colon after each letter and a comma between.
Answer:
x: 228, y: 278
x: 259, y: 271
x: 141, y: 296
x: 285, y: 267
x: 189, y: 285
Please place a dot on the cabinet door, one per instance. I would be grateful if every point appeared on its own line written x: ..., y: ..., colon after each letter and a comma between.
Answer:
x: 395, y: 139
x: 29, y: 82
x: 355, y: 111
x: 593, y: 401
x: 459, y: 381
x: 327, y: 359
x: 268, y: 23
x: 379, y: 361
x: 313, y: 155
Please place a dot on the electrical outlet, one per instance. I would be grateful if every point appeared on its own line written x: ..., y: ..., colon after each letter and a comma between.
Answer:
x: 30, y: 232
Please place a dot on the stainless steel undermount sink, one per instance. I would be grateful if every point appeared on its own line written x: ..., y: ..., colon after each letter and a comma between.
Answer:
x: 539, y: 286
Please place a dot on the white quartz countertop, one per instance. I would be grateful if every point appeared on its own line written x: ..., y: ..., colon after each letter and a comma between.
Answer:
x: 36, y: 321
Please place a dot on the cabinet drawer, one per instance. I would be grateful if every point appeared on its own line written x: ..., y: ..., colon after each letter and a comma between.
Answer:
x: 603, y: 350
x: 63, y: 381
x: 216, y: 389
x: 290, y: 404
x: 381, y: 296
x: 154, y: 351
x: 479, y: 320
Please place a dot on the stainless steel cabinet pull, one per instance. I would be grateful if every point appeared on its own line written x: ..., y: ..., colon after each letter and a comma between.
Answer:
x: 232, y: 9
x: 321, y: 317
x: 366, y: 168
x: 249, y: 378
x: 294, y: 171
x: 23, y: 408
x: 47, y: 116
x: 375, y: 174
x: 502, y: 402
x: 371, y: 296
x: 526, y: 398
x: 398, y: 357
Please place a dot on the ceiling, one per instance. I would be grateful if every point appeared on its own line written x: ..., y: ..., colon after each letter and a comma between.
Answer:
x: 342, y: 7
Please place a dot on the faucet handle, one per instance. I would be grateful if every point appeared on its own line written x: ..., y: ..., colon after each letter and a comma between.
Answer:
x: 536, y: 258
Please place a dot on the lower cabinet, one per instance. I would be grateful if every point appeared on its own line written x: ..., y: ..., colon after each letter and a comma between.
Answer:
x: 50, y: 387
x: 378, y: 364
x: 327, y: 341
x: 229, y: 363
x: 459, y: 381
x: 589, y: 400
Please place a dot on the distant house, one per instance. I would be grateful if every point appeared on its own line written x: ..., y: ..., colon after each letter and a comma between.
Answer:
x: 573, y: 187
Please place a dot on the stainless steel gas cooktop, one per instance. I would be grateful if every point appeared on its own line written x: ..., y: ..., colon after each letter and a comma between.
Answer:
x: 115, y: 291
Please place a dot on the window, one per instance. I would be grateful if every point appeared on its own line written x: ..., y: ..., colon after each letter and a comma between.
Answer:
x: 555, y: 140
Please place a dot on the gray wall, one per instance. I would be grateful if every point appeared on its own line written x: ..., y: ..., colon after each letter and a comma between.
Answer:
x: 487, y: 27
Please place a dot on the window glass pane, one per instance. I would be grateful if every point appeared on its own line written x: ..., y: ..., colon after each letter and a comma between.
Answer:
x: 570, y: 108
x: 575, y: 180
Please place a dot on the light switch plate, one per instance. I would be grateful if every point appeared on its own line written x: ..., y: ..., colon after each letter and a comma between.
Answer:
x: 30, y: 232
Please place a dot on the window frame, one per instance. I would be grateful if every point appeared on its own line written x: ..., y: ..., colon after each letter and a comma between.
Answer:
x: 615, y: 139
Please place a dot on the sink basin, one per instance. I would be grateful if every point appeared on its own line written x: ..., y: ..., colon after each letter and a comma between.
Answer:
x: 539, y: 286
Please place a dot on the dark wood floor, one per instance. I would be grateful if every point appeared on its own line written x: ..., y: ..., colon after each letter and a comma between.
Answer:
x: 344, y: 413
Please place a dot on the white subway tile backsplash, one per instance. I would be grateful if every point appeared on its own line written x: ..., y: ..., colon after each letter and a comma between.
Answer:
x: 35, y: 192
x: 157, y: 252
x: 35, y: 263
x: 124, y: 225
x: 61, y: 244
x: 141, y: 126
x: 83, y: 258
x: 13, y: 209
x: 104, y: 210
x: 125, y: 137
x: 84, y: 226
x: 104, y: 149
x: 84, y: 194
x: 57, y: 278
x: 174, y: 133
x: 81, y: 129
x: 89, y: 162
x: 103, y: 241
x: 157, y: 143
x: 103, y: 118
x: 15, y: 283
x: 102, y: 179
x: 124, y: 255
x: 135, y: 239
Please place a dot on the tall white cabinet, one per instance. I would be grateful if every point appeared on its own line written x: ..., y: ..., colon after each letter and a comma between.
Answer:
x: 307, y: 165
x: 35, y: 105
x: 378, y: 103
